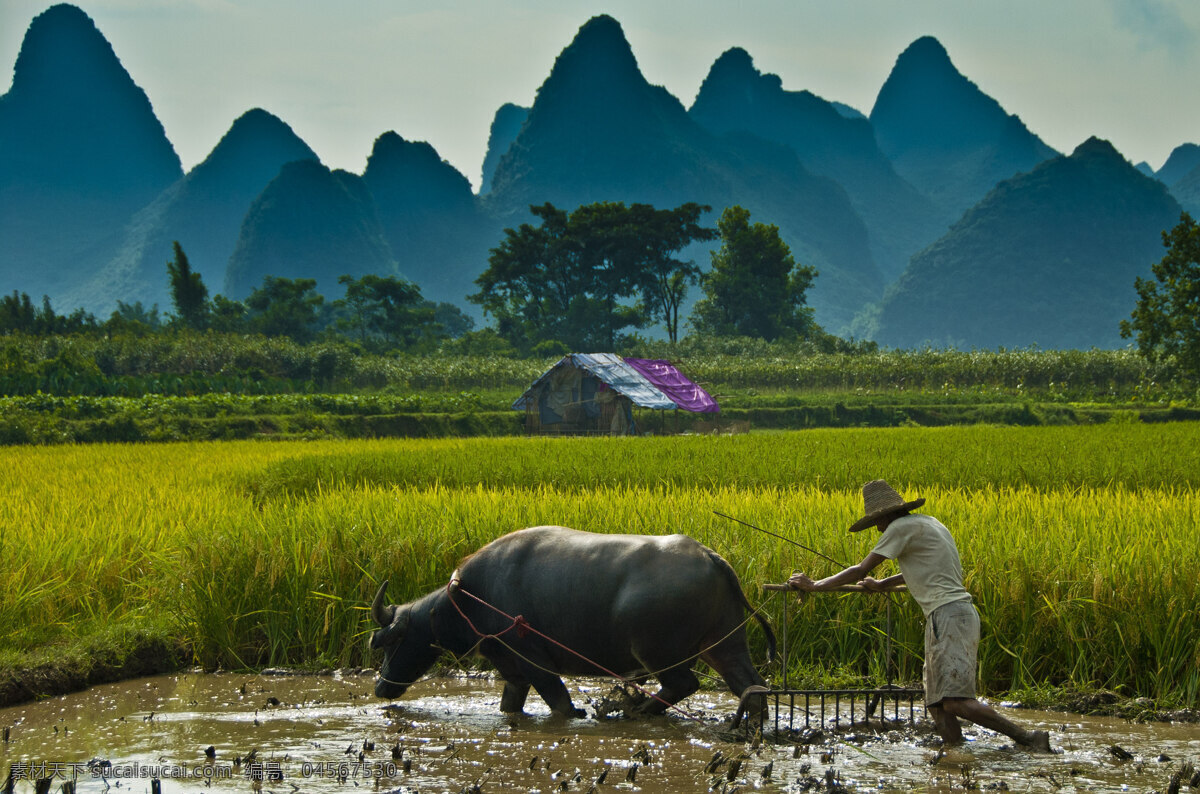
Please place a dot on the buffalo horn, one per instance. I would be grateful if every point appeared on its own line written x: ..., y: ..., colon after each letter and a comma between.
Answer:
x: 380, y: 610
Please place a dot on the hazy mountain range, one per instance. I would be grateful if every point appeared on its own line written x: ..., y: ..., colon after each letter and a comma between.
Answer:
x: 938, y: 217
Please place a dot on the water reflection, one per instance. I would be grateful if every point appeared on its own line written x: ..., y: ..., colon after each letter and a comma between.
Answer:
x: 229, y: 732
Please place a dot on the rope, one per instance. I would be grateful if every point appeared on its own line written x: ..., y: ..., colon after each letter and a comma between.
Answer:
x: 523, y: 628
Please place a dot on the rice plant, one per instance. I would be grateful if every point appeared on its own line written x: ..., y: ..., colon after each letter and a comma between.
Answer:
x: 1078, y: 543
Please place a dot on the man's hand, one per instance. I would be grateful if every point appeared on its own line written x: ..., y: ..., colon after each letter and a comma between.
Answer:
x: 801, y: 581
x: 872, y: 584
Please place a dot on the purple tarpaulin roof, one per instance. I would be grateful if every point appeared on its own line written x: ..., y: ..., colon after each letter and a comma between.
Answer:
x: 675, y: 385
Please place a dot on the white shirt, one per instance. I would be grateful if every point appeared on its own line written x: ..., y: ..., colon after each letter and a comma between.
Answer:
x: 928, y: 558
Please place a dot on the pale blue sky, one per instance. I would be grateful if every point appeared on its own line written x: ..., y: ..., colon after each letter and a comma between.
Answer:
x: 342, y: 73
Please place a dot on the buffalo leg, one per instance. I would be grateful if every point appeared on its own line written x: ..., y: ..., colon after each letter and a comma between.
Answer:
x: 518, y: 676
x: 513, y: 698
x: 554, y: 692
x: 516, y: 685
x: 735, y: 667
x: 676, y: 684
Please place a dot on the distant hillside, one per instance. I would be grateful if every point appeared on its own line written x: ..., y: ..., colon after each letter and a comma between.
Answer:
x: 598, y: 131
x: 92, y: 194
x: 309, y: 222
x: 1049, y: 258
x: 737, y: 97
x: 506, y: 125
x: 203, y: 211
x: 944, y: 135
x: 80, y: 151
x: 429, y: 217
x: 1187, y: 192
x: 1183, y: 159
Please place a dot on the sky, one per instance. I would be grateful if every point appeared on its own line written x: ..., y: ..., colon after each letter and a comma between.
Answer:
x: 343, y: 73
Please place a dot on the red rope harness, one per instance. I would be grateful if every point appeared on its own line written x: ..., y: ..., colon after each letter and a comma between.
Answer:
x: 523, y: 628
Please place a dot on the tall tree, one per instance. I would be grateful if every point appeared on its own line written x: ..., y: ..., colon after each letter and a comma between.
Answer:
x: 17, y: 313
x: 133, y: 318
x: 1166, y: 320
x: 665, y: 279
x: 390, y: 309
x: 571, y: 278
x: 188, y: 292
x: 285, y: 307
x: 755, y: 288
x: 454, y: 321
x: 227, y: 315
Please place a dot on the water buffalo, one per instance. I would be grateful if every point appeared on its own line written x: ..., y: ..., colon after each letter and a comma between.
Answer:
x: 639, y: 606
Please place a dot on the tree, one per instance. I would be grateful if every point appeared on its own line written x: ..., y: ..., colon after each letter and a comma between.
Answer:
x: 570, y: 279
x: 534, y: 286
x: 285, y: 307
x: 227, y: 315
x: 188, y: 292
x: 754, y: 288
x: 665, y: 279
x: 1166, y: 320
x: 389, y: 309
x: 133, y: 318
x: 454, y: 322
x: 356, y: 306
x: 17, y: 313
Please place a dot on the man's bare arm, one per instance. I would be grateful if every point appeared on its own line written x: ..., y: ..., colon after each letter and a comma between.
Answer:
x: 855, y: 573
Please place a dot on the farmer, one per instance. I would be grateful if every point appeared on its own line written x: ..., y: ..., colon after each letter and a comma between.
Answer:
x: 929, y: 565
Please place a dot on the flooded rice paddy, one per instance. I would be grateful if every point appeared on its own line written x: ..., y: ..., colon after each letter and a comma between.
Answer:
x: 289, y: 733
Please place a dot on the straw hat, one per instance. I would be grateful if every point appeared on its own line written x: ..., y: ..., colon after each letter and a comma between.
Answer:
x: 881, y: 501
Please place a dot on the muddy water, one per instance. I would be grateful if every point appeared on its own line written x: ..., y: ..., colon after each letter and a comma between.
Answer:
x: 330, y: 734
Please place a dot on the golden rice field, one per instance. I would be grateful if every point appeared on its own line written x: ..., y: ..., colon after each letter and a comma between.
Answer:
x: 1079, y: 543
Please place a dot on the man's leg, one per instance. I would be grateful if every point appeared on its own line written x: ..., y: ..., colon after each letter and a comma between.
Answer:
x: 947, y: 725
x: 982, y: 714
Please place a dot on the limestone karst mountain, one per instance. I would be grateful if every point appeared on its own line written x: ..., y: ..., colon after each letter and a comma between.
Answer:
x: 1048, y: 258
x: 80, y: 151
x: 944, y: 135
x: 1187, y: 192
x: 1182, y: 161
x: 309, y: 222
x: 1042, y: 249
x: 736, y: 97
x: 506, y: 125
x: 429, y: 217
x: 203, y: 211
x: 598, y: 131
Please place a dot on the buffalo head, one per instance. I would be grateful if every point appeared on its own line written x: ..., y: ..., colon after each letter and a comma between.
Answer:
x: 407, y: 644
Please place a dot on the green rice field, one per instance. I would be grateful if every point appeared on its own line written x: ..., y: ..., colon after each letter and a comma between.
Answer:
x: 1079, y: 543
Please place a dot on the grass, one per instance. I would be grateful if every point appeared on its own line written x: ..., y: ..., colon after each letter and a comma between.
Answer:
x: 1077, y: 542
x: 188, y: 386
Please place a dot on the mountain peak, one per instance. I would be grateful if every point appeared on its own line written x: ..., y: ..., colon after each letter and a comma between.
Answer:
x: 944, y: 134
x: 926, y: 88
x: 597, y: 60
x: 257, y: 140
x: 506, y: 126
x: 1097, y: 148
x: 80, y: 151
x: 410, y: 172
x: 1183, y: 160
x: 602, y: 34
x: 393, y: 151
x: 734, y: 71
x: 735, y: 61
x: 247, y: 157
x: 73, y: 106
x: 61, y: 39
x: 926, y: 52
